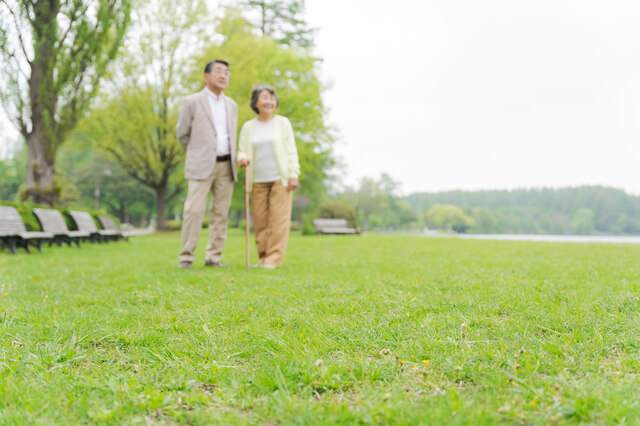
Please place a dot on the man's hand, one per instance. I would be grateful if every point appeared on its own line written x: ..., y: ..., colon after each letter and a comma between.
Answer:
x: 293, y: 184
x: 244, y: 162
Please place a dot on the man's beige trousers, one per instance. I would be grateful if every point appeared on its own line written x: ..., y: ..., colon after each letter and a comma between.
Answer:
x: 271, y: 205
x: 220, y: 183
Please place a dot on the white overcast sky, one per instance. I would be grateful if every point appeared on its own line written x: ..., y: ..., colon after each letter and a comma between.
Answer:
x: 483, y: 94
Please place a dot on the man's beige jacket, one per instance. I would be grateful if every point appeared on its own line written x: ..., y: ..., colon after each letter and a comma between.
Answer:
x: 197, y: 135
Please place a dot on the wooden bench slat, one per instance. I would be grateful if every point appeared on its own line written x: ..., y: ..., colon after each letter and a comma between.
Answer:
x: 10, y: 220
x: 109, y: 228
x: 84, y: 221
x: 52, y: 221
x: 32, y: 235
x: 13, y: 233
x: 333, y: 226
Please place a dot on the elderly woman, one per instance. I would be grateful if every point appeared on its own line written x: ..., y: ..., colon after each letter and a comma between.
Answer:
x: 267, y: 149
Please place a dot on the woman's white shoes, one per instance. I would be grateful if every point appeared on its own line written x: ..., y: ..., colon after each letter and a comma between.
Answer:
x: 266, y: 266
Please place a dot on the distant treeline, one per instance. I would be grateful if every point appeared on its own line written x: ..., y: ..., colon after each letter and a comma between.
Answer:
x: 582, y: 210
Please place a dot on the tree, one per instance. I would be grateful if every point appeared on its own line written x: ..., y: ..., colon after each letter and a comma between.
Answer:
x: 12, y: 172
x: 370, y: 200
x: 97, y: 178
x: 294, y: 76
x: 583, y: 221
x: 451, y: 217
x: 131, y: 132
x: 334, y: 209
x: 134, y: 124
x: 282, y: 20
x: 54, y: 53
x: 545, y: 210
x: 485, y: 222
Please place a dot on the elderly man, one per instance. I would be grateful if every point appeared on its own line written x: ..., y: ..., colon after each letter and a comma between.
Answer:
x: 206, y: 129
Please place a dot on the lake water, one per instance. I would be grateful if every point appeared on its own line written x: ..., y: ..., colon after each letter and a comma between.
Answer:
x: 556, y: 238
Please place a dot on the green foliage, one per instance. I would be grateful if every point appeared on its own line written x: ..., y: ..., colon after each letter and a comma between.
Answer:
x: 282, y: 20
x: 513, y: 332
x: 293, y: 74
x: 307, y: 224
x: 449, y: 217
x: 131, y: 133
x: 172, y: 225
x: 53, y: 56
x: 12, y: 174
x: 119, y: 194
x: 65, y: 192
x: 485, y: 221
x: 134, y: 124
x: 379, y: 206
x: 337, y: 210
x: 546, y: 211
x: 583, y: 222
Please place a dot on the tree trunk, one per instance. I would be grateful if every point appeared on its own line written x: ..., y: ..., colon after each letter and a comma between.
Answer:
x: 41, y: 140
x: 39, y: 180
x: 161, y: 204
x: 121, y: 212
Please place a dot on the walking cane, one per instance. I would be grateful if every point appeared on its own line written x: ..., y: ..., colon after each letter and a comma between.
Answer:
x: 246, y: 214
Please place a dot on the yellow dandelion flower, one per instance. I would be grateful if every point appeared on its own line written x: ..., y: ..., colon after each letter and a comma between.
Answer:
x: 315, y: 381
x: 416, y: 280
x: 250, y: 309
x: 425, y: 362
x: 275, y: 293
x: 400, y: 282
x: 402, y: 362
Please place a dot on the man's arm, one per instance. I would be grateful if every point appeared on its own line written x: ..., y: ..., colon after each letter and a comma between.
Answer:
x: 183, y: 127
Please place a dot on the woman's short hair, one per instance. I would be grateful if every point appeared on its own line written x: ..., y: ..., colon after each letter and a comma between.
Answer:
x: 256, y: 93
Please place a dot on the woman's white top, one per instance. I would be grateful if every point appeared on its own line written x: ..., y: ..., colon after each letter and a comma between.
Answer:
x: 284, y: 147
x: 265, y: 166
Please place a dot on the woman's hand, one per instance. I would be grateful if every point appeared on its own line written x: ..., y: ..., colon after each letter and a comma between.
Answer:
x: 244, y: 162
x: 293, y: 184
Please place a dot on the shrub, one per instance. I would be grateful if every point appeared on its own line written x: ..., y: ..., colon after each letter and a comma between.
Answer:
x: 337, y: 210
x: 172, y: 225
x: 307, y: 224
x: 447, y: 216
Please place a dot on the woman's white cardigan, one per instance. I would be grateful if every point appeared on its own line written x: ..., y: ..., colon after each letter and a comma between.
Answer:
x: 284, y: 148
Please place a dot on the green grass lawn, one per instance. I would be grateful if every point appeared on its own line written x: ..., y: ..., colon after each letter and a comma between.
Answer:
x: 364, y: 329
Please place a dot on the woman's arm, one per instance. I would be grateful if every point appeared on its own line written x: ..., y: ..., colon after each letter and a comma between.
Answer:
x: 293, y: 163
x: 243, y: 148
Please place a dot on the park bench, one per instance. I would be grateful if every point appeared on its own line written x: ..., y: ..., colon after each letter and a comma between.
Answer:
x: 108, y: 224
x: 53, y: 222
x: 85, y: 223
x: 333, y: 226
x: 13, y: 233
